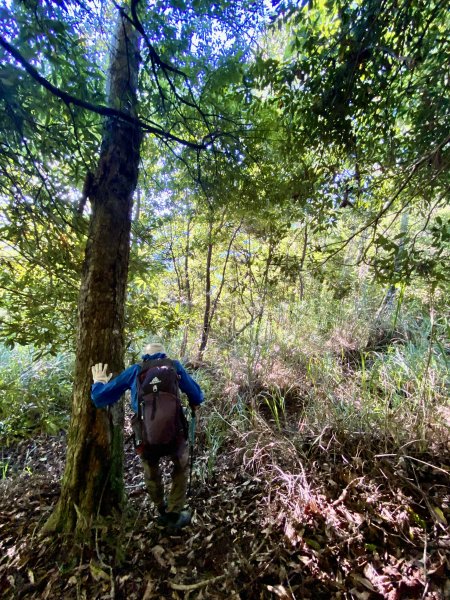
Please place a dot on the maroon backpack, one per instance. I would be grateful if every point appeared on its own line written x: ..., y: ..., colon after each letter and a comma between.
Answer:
x: 160, y: 421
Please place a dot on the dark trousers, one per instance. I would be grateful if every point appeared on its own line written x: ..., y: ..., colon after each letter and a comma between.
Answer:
x: 180, y: 473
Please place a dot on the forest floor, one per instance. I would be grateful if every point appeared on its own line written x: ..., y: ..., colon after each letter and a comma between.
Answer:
x: 328, y: 520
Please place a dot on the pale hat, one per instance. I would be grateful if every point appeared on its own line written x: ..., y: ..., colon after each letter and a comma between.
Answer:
x: 154, y: 348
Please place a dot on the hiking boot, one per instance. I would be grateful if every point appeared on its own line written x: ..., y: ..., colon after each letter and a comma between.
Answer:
x: 162, y: 518
x: 162, y: 508
x: 176, y: 521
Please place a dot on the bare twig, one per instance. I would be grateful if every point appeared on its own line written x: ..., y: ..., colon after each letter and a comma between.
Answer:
x: 417, y: 460
x: 425, y: 572
x: 195, y: 586
x: 345, y: 491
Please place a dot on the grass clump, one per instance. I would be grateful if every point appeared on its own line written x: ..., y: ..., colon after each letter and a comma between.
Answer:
x: 307, y: 382
x: 34, y: 394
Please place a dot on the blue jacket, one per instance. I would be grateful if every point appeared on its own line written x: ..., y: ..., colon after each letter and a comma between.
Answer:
x: 104, y: 394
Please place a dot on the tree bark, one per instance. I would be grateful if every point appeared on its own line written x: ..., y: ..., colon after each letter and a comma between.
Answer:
x: 207, y: 311
x: 187, y: 288
x: 302, y: 264
x: 93, y: 480
x: 392, y: 291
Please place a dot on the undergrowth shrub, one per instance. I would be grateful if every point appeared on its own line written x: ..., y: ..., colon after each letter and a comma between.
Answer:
x: 395, y: 395
x: 34, y: 394
x: 298, y: 374
x: 327, y: 369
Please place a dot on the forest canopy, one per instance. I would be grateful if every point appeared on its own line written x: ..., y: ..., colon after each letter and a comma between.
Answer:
x: 349, y: 100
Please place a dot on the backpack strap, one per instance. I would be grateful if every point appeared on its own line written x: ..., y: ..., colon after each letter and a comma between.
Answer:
x: 145, y: 365
x: 155, y: 397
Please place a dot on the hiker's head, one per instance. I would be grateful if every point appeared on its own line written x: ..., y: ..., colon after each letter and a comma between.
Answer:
x: 154, y: 348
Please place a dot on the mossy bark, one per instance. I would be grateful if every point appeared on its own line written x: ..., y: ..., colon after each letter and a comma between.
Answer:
x: 93, y: 480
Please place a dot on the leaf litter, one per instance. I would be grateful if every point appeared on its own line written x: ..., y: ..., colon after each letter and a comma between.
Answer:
x: 275, y: 519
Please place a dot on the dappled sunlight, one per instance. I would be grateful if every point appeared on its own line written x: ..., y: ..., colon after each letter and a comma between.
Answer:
x: 261, y: 190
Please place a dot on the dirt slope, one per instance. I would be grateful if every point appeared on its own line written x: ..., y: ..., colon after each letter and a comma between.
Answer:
x: 326, y: 521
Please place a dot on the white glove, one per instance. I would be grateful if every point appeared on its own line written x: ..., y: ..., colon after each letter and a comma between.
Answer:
x: 99, y: 374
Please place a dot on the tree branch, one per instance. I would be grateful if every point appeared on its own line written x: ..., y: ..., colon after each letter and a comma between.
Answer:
x: 222, y: 282
x: 376, y: 219
x: 98, y: 108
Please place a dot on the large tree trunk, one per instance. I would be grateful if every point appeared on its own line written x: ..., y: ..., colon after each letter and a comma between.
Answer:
x: 93, y: 479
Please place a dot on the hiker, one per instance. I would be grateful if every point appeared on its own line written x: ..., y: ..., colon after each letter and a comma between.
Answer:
x: 158, y: 416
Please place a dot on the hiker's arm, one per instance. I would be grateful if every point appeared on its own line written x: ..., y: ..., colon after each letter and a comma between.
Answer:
x: 104, y: 394
x: 189, y: 386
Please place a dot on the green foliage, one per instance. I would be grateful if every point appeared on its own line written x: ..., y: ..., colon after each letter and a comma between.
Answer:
x: 275, y: 401
x: 40, y: 130
x: 34, y: 394
x: 345, y: 70
x: 413, y: 371
x: 148, y: 310
x: 320, y: 202
x: 51, y: 138
x: 396, y: 394
x: 359, y: 93
x: 38, y: 293
x: 46, y: 149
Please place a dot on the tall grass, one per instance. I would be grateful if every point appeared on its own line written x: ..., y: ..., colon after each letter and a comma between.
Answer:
x: 337, y: 365
x: 34, y: 394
